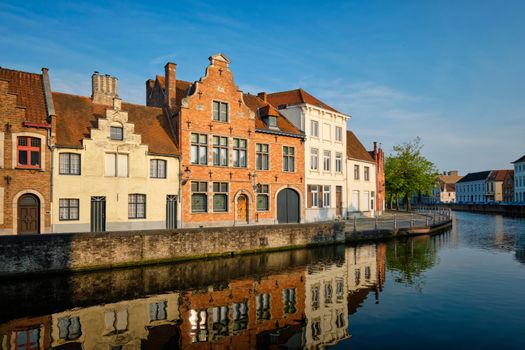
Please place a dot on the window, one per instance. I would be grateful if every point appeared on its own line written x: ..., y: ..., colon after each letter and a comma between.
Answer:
x: 116, y: 321
x: 339, y: 290
x: 220, y: 151
x: 271, y: 121
x: 338, y: 162
x: 240, y: 316
x: 263, y: 306
x: 220, y: 111
x: 69, y: 328
x: 314, y: 193
x: 157, y: 169
x: 137, y: 206
x: 314, y: 159
x: 220, y: 196
x: 367, y: 173
x: 326, y: 196
x: 327, y: 160
x: 340, y: 319
x: 316, y: 329
x: 338, y: 133
x: 199, y: 197
x: 263, y: 198
x: 240, y: 153
x: 116, y: 165
x: 157, y: 311
x: 288, y: 158
x: 199, y: 149
x: 68, y: 209
x: 262, y: 156
x: 314, y: 128
x: 69, y: 164
x: 356, y: 172
x: 28, y: 152
x: 328, y: 293
x: 315, y: 297
x: 289, y: 300
x: 117, y: 133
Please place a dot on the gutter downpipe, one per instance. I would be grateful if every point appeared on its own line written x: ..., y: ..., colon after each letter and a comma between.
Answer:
x: 51, y: 115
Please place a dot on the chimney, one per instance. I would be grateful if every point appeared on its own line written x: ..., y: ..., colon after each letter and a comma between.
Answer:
x: 263, y: 96
x: 375, y: 150
x: 453, y: 173
x: 104, y: 88
x: 170, y: 90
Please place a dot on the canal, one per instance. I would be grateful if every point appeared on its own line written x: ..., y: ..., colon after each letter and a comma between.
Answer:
x: 463, y: 288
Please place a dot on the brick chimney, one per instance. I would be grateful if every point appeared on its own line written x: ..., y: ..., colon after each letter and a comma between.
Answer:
x: 263, y: 96
x: 170, y: 90
x: 375, y: 150
x: 104, y: 88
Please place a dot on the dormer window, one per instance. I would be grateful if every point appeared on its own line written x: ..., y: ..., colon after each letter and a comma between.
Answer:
x: 271, y: 121
x: 117, y: 133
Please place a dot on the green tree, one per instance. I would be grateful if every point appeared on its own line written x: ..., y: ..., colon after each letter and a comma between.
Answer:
x: 408, y: 172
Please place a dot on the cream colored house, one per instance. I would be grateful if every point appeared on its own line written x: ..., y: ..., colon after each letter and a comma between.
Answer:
x: 361, y: 264
x: 115, y: 165
x: 127, y: 324
x: 326, y: 305
x: 361, y: 184
x: 324, y: 151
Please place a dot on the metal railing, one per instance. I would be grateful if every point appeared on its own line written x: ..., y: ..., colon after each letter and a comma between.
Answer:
x: 419, y: 217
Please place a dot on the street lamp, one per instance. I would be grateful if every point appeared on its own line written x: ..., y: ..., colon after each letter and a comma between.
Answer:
x: 187, y: 173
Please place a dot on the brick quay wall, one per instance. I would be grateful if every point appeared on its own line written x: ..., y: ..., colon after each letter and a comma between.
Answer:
x: 34, y: 254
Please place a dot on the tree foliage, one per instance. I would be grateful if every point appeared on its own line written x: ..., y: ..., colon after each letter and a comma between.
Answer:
x: 408, y: 172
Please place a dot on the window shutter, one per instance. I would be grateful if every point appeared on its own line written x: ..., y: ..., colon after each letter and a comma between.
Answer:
x: 110, y: 164
x: 122, y: 165
x: 320, y: 189
x: 309, y: 196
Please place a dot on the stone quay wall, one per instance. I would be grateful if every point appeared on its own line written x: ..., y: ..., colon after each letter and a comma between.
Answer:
x: 510, y: 210
x: 34, y: 254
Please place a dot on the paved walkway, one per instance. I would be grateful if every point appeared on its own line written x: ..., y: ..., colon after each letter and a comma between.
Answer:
x: 401, y: 220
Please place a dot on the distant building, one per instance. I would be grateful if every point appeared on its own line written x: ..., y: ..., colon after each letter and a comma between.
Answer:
x: 379, y: 157
x: 445, y: 191
x: 508, y: 187
x: 494, y: 185
x: 471, y: 188
x: 519, y: 179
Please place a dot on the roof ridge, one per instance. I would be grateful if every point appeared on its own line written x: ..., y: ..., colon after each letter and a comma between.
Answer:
x: 20, y: 71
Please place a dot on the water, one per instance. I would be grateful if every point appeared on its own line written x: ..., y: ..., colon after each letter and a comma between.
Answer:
x: 460, y: 289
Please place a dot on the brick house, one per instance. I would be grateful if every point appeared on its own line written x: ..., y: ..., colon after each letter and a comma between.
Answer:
x: 26, y: 122
x: 242, y: 161
x: 508, y: 186
x: 379, y: 157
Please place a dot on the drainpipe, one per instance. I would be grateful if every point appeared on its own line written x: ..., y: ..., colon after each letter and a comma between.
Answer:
x: 51, y: 115
x: 179, y: 195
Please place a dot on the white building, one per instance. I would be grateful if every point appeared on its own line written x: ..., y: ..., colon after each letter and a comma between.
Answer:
x: 519, y: 179
x: 361, y: 177
x: 471, y: 188
x: 445, y: 191
x: 325, y: 148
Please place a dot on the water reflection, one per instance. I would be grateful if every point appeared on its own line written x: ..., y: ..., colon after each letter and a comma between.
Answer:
x: 286, y: 300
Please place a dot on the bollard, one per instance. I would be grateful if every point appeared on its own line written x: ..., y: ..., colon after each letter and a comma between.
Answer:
x: 375, y: 224
x: 412, y: 221
x: 426, y: 221
x: 395, y: 222
x: 355, y: 224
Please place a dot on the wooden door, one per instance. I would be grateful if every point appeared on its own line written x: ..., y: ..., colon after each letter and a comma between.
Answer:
x: 171, y: 212
x: 28, y: 214
x: 288, y: 206
x: 98, y: 214
x: 339, y: 200
x: 242, y: 208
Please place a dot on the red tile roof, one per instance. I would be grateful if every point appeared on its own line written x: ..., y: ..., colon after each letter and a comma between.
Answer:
x: 499, y: 175
x: 296, y: 97
x: 355, y: 149
x: 29, y: 93
x: 263, y: 109
x: 182, y: 87
x: 76, y: 115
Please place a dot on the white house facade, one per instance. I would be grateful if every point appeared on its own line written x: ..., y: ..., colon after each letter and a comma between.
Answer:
x: 324, y: 151
x: 519, y: 179
x: 471, y: 188
x: 361, y: 184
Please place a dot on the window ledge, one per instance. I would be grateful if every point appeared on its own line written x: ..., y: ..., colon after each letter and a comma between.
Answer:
x: 24, y: 168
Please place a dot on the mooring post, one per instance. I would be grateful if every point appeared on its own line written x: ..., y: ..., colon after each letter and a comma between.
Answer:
x: 355, y: 224
x: 375, y: 223
x: 426, y: 220
x: 412, y: 220
x: 395, y: 222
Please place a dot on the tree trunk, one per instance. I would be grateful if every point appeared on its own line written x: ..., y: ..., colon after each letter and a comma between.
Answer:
x: 397, y: 201
x: 407, y: 196
x: 391, y: 201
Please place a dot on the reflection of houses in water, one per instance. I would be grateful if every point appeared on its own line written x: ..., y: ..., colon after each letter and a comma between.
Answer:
x: 130, y: 324
x: 520, y: 248
x: 26, y: 333
x: 325, y: 305
x: 244, y: 314
x: 366, y: 273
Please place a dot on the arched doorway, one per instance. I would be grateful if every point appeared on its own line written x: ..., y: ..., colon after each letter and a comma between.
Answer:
x: 242, y: 208
x: 288, y: 206
x: 28, y: 214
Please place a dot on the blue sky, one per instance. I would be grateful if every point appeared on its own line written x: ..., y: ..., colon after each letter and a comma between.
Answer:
x: 451, y: 72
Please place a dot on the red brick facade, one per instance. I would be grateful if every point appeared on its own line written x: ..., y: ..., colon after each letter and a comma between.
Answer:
x: 264, y: 303
x: 242, y: 120
x: 379, y: 157
x: 24, y: 120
